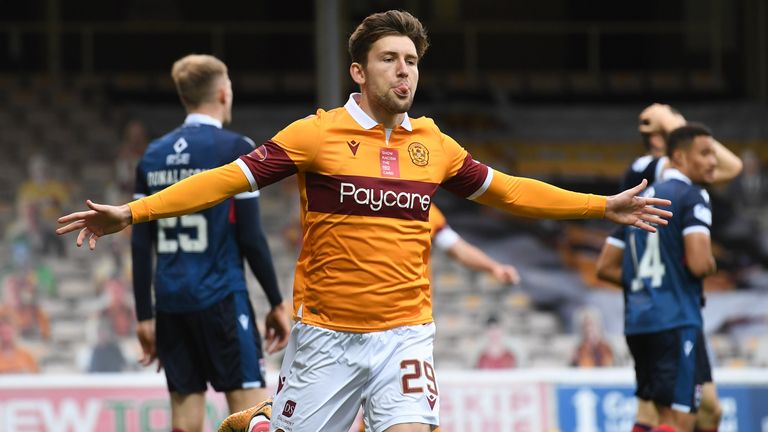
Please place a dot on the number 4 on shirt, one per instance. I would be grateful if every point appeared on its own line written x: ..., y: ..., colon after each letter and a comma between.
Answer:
x: 650, y: 266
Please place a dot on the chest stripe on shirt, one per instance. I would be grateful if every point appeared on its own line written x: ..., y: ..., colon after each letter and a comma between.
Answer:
x: 369, y: 196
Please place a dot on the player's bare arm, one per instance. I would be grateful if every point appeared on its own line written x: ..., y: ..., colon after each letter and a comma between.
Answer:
x: 728, y: 164
x: 474, y: 258
x: 698, y: 254
x: 609, y: 263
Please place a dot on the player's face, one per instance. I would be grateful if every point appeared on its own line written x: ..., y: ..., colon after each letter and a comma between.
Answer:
x: 391, y: 75
x: 701, y: 160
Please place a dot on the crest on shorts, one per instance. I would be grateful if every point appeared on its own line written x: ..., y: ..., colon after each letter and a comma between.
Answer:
x: 418, y: 153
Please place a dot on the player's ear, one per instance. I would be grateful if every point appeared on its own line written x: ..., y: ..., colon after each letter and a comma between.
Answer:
x: 357, y: 72
x: 679, y: 156
x: 221, y: 94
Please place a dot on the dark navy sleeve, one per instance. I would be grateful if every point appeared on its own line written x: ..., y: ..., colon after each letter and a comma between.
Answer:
x: 617, y: 237
x: 254, y: 247
x: 645, y: 167
x: 697, y: 211
x: 141, y: 254
x: 243, y: 146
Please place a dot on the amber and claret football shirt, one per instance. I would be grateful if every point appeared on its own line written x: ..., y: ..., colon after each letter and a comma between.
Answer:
x: 365, y: 198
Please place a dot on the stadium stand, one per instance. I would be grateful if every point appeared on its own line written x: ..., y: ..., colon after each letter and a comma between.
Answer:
x: 53, y: 118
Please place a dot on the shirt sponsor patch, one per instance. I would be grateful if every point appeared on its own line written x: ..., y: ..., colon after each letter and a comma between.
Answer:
x: 390, y: 162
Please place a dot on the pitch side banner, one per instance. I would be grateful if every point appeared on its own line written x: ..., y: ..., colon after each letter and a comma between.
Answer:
x: 119, y: 403
x: 524, y: 400
x: 600, y: 407
x: 139, y: 403
x: 612, y: 408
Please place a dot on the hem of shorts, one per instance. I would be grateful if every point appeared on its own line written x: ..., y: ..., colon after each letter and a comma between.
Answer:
x: 681, y: 408
x: 407, y: 419
x: 663, y: 329
x: 349, y: 329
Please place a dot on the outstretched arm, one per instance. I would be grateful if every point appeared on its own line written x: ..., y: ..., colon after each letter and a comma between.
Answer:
x: 533, y: 198
x: 187, y: 196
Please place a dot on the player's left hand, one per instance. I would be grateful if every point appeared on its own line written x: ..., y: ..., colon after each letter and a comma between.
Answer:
x: 629, y: 208
x: 278, y: 327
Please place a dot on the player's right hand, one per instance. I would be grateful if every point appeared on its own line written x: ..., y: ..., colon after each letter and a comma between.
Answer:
x: 278, y: 327
x: 145, y: 331
x: 99, y: 221
x: 660, y: 118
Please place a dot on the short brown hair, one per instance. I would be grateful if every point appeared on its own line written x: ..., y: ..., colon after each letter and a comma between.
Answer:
x: 194, y: 76
x: 389, y: 23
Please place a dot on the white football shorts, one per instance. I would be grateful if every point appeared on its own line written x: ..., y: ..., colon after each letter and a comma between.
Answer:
x: 327, y: 375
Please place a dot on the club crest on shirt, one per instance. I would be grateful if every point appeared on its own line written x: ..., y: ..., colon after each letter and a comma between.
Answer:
x: 353, y: 146
x: 418, y: 153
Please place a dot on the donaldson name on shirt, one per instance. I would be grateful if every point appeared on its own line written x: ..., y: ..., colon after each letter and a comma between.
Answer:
x: 162, y: 178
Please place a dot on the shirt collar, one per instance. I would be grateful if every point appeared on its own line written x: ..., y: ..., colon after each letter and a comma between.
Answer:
x: 673, y: 173
x: 197, y: 118
x: 353, y: 108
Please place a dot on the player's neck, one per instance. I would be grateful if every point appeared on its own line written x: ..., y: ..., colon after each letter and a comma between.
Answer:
x: 380, y: 115
x: 209, y: 110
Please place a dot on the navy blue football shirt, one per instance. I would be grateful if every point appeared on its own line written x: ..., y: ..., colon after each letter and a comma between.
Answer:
x: 198, y: 259
x: 660, y: 292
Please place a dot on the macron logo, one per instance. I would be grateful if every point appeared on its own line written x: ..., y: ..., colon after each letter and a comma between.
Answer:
x: 243, y: 318
x: 688, y: 347
x: 353, y: 145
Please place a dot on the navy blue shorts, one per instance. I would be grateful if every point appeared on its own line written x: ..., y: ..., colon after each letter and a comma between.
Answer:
x: 220, y: 345
x: 670, y: 367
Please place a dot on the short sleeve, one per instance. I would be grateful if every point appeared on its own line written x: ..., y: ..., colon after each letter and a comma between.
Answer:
x: 244, y: 145
x: 697, y: 212
x: 645, y: 167
x: 617, y: 238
